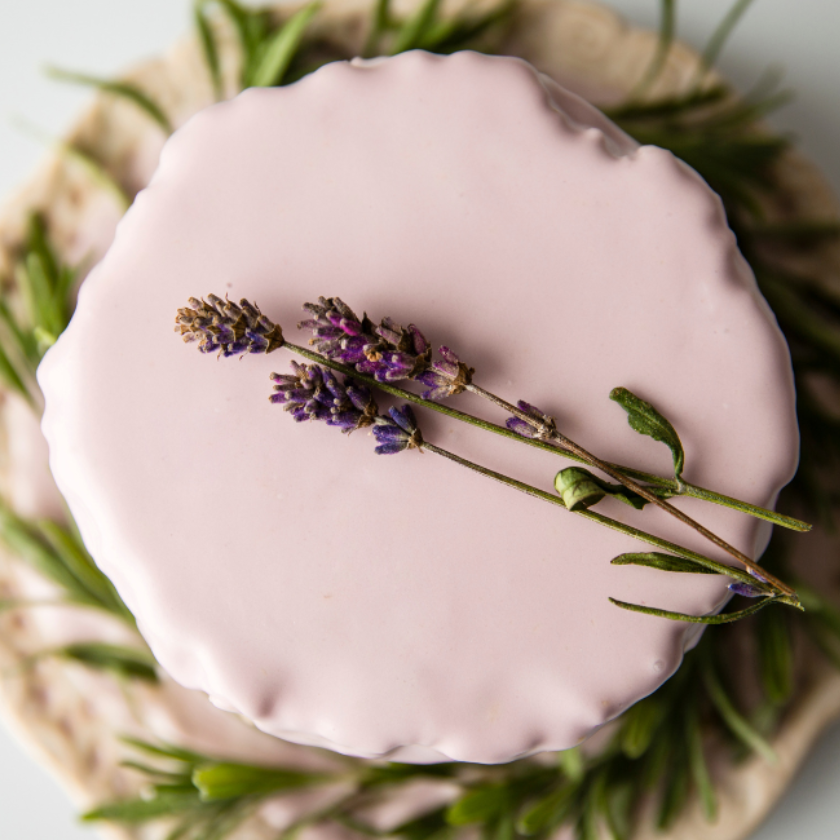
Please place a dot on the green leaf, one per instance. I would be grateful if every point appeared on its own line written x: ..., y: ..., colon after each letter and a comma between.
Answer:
x: 281, y: 48
x: 697, y: 762
x: 80, y: 564
x: 667, y: 29
x: 116, y: 659
x: 580, y: 489
x: 135, y: 811
x: 548, y: 812
x: 721, y: 618
x: 641, y: 724
x: 663, y: 562
x: 13, y: 379
x: 734, y: 720
x: 380, y: 23
x: 124, y: 90
x: 415, y: 29
x: 646, y: 420
x: 478, y: 805
x: 572, y: 763
x: 227, y: 780
x: 209, y: 47
x: 720, y: 36
x: 775, y: 655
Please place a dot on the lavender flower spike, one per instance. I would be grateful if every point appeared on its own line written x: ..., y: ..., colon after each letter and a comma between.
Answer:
x: 314, y: 393
x: 398, y: 433
x: 446, y: 377
x: 221, y: 325
x: 388, y: 352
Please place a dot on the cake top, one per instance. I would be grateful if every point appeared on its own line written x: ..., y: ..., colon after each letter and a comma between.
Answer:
x: 402, y: 606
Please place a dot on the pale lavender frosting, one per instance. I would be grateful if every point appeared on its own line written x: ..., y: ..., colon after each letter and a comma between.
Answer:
x: 400, y: 605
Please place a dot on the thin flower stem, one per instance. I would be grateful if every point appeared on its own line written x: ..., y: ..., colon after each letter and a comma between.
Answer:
x: 609, y: 469
x: 669, y: 483
x: 613, y: 524
x: 630, y: 484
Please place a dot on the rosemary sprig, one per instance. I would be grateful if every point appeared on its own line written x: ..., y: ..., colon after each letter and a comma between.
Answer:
x: 124, y: 90
x: 59, y: 555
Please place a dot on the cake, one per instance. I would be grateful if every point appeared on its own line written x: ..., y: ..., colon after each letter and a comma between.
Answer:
x: 402, y: 608
x: 74, y: 713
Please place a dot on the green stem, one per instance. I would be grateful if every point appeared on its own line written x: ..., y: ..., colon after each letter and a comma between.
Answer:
x: 606, y: 521
x: 671, y: 484
x: 546, y: 429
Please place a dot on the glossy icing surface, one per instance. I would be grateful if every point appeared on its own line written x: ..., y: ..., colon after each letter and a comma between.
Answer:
x: 402, y: 604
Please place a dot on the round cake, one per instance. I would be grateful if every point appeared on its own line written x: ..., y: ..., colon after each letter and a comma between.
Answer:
x: 404, y: 607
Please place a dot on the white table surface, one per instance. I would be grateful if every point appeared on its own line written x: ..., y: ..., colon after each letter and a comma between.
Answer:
x: 101, y: 36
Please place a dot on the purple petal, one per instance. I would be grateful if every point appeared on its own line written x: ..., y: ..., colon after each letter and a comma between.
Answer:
x: 404, y: 417
x: 390, y: 448
x: 418, y: 339
x: 535, y: 412
x: 436, y: 394
x: 389, y: 433
x: 520, y: 427
x: 746, y: 589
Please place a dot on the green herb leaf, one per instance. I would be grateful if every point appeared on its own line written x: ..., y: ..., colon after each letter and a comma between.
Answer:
x: 281, y: 48
x: 481, y: 804
x: 775, y: 655
x: 646, y: 420
x: 228, y: 780
x: 580, y: 489
x: 135, y: 811
x: 119, y: 660
x: 721, y: 618
x: 697, y: 761
x: 124, y: 90
x: 548, y: 812
x: 415, y: 29
x: 663, y: 562
x: 209, y: 47
x: 734, y: 720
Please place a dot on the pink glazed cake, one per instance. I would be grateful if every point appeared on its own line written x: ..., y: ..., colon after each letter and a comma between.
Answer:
x: 403, y: 607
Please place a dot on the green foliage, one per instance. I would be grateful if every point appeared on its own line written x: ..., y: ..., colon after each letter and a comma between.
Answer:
x: 646, y: 420
x: 59, y: 555
x: 124, y: 90
x: 31, y: 324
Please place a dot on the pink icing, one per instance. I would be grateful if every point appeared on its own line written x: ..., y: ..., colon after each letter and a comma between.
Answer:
x: 401, y: 605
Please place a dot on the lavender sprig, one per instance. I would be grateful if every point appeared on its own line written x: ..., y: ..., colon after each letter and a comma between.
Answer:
x: 218, y: 324
x: 383, y: 352
x: 314, y: 393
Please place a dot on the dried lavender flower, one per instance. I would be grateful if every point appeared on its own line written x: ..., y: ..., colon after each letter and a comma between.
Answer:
x: 543, y: 431
x: 747, y: 590
x: 446, y: 377
x: 227, y: 327
x: 388, y: 352
x: 398, y: 433
x: 314, y: 393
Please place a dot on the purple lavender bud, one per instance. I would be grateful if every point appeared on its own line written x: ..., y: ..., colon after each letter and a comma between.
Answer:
x: 521, y: 427
x: 404, y: 417
x: 352, y: 350
x: 389, y: 433
x: 390, y: 448
x: 746, y: 589
x: 418, y: 340
x: 358, y: 394
x: 536, y: 413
